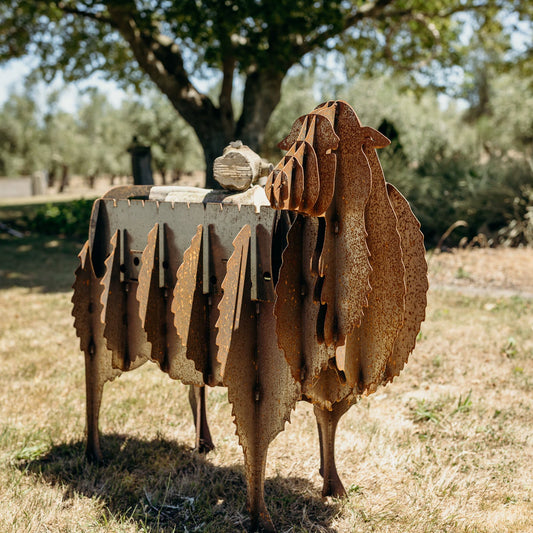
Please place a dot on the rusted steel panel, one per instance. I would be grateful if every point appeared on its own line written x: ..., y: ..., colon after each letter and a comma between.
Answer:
x: 190, y: 355
x: 288, y: 306
x: 329, y: 388
x: 123, y: 332
x: 87, y: 307
x: 230, y: 306
x: 416, y: 282
x: 325, y: 144
x: 187, y: 280
x: 153, y: 298
x: 370, y: 346
x: 87, y: 310
x: 316, y: 135
x: 114, y: 307
x: 316, y: 354
x: 353, y: 185
x: 261, y: 390
x: 326, y: 287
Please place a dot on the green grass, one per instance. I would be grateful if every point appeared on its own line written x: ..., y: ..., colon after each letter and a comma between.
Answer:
x: 447, y: 447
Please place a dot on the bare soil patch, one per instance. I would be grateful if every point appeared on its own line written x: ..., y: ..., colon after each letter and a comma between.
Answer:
x: 488, y: 271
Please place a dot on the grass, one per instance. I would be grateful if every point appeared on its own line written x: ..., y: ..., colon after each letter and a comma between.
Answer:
x: 447, y: 447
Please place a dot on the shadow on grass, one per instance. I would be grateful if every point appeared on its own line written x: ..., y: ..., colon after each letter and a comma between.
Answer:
x: 165, y: 487
x: 38, y: 262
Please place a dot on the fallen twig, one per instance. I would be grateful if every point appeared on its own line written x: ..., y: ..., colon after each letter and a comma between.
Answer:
x: 11, y: 231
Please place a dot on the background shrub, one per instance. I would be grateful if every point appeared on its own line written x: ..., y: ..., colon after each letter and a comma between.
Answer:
x: 69, y: 219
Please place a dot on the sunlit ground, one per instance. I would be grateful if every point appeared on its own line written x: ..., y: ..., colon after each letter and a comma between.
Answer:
x: 448, y: 446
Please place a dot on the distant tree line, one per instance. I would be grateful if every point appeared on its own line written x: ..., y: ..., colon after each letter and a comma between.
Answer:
x: 93, y: 140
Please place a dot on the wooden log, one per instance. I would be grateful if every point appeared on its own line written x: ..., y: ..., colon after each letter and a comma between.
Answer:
x: 239, y: 167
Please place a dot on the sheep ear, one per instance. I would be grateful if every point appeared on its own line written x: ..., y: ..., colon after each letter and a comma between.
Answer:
x: 298, y: 131
x: 378, y: 140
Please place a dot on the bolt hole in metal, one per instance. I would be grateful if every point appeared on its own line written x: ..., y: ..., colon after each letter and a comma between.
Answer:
x: 213, y: 280
x: 123, y: 268
x: 267, y: 276
x: 165, y: 264
x: 136, y: 261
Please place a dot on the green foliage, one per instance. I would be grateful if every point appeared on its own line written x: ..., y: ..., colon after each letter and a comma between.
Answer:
x: 93, y: 141
x: 103, y: 137
x: 450, y: 169
x: 20, y: 137
x: 519, y: 229
x: 31, y: 453
x: 508, y: 124
x: 463, y: 404
x: 81, y: 38
x: 424, y: 412
x: 491, y: 197
x: 509, y: 349
x: 62, y: 218
x: 440, y: 411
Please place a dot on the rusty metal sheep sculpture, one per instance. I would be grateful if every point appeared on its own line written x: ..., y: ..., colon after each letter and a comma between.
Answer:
x: 312, y: 288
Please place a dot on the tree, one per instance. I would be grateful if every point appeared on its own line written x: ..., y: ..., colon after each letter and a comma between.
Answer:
x: 63, y: 144
x: 256, y: 40
x: 105, y: 139
x: 20, y: 136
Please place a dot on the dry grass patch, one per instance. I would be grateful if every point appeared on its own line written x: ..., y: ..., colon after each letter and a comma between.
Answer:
x: 447, y: 447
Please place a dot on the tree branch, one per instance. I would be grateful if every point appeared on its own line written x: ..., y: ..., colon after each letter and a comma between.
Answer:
x: 72, y: 10
x: 433, y: 52
x: 378, y: 11
x: 371, y: 10
x: 461, y: 8
x: 161, y: 59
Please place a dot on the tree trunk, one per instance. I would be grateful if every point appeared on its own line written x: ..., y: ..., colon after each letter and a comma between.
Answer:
x: 213, y: 133
x: 262, y: 94
x: 213, y: 141
x: 64, y: 178
x: 215, y: 127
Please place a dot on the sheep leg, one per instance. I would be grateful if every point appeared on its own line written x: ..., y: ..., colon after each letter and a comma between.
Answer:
x: 95, y: 378
x: 203, y: 441
x: 255, y: 464
x: 327, y: 424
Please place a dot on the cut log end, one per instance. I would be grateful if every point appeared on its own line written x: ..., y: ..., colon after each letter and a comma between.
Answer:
x: 239, y: 167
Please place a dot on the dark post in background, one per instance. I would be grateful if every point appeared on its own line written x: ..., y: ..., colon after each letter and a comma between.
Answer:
x: 141, y: 163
